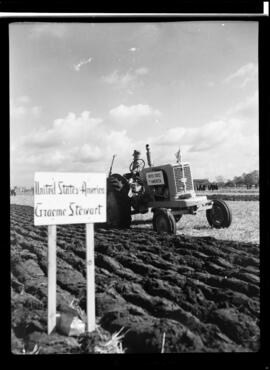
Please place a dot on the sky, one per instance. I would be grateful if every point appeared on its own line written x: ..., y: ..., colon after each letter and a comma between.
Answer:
x: 82, y: 92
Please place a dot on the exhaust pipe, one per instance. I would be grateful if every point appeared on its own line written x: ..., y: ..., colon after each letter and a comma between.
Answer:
x: 148, y: 155
x: 110, y: 171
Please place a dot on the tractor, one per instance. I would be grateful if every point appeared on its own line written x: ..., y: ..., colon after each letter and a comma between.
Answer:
x: 167, y: 190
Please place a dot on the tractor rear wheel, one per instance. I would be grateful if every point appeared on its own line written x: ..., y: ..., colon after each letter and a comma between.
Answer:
x: 219, y: 215
x: 163, y: 221
x: 118, y: 202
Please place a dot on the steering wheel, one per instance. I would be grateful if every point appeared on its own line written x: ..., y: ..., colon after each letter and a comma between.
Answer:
x: 140, y: 165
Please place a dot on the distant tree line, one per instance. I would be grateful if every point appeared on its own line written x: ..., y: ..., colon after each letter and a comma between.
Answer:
x: 246, y: 179
x: 203, y: 187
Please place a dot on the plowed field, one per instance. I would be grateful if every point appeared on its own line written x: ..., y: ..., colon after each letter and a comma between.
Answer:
x: 203, y: 293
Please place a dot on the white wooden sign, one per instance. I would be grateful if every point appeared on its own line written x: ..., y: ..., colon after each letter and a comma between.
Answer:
x: 70, y: 198
x: 155, y: 178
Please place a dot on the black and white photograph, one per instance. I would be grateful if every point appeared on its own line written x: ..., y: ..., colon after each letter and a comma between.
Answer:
x: 134, y: 187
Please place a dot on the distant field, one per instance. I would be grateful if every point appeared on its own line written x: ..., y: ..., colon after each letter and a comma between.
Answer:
x: 245, y: 224
x: 25, y: 200
x: 231, y: 190
x: 232, y: 194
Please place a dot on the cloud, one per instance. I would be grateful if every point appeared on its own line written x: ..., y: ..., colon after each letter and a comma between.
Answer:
x: 68, y: 131
x: 227, y: 146
x: 119, y: 80
x: 132, y: 49
x: 36, y: 111
x: 124, y: 80
x: 149, y: 34
x: 17, y: 111
x: 241, y: 119
x: 141, y: 71
x: 23, y: 99
x: 87, y: 153
x: 244, y: 75
x: 134, y: 112
x: 21, y: 107
x: 217, y: 148
x: 197, y: 139
x: 78, y: 66
x: 246, y: 109
x: 56, y: 30
x: 73, y: 143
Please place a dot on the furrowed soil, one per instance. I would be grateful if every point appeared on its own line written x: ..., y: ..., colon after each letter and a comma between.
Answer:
x: 203, y: 293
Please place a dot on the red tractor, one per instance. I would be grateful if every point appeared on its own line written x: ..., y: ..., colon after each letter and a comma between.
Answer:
x: 167, y: 190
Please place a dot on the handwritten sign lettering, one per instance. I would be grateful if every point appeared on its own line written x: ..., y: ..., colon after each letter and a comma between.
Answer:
x: 69, y: 198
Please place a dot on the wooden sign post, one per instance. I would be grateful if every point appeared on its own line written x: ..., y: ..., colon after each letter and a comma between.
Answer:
x: 51, y: 278
x: 70, y: 198
x: 90, y: 278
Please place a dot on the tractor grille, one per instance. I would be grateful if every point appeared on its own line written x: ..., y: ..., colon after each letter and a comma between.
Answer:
x: 178, y: 174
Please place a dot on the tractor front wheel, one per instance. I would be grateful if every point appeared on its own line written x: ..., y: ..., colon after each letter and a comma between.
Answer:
x: 163, y: 221
x: 219, y: 215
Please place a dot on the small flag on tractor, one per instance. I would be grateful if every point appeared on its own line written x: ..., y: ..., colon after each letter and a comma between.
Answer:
x: 178, y: 156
